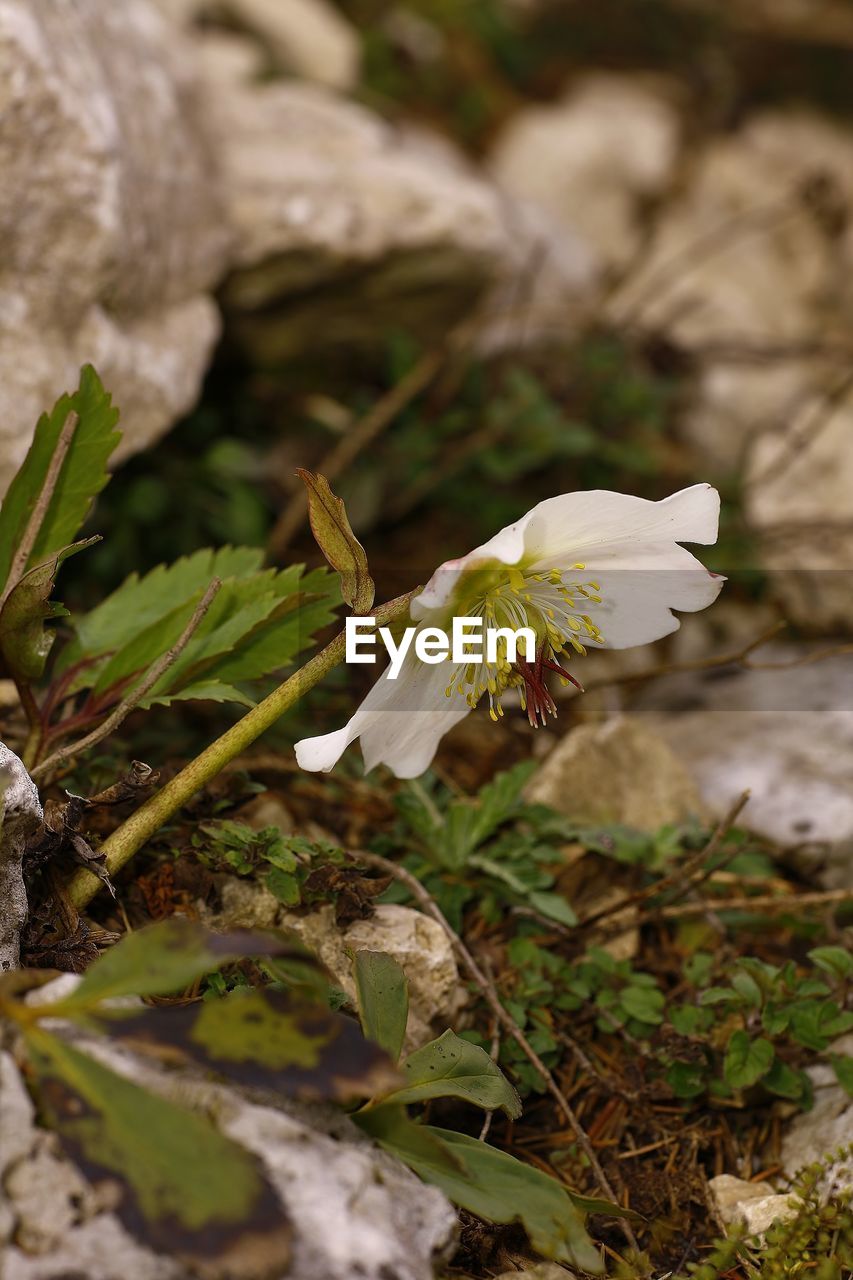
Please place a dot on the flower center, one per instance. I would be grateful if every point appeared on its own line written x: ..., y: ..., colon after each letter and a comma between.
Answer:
x: 549, y: 606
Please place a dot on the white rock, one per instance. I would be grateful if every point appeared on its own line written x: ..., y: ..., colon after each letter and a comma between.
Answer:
x: 621, y: 771
x: 17, y: 1114
x: 817, y: 1134
x: 746, y: 254
x: 785, y: 735
x: 20, y: 813
x: 415, y: 941
x: 46, y: 1193
x: 590, y: 159
x: 112, y: 235
x: 749, y: 1204
x: 308, y: 38
x: 316, y: 187
x: 753, y: 258
x: 799, y: 499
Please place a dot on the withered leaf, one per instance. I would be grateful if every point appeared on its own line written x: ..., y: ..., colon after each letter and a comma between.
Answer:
x: 335, y: 538
x: 349, y: 888
x: 24, y: 640
x: 174, y: 1181
x: 169, y: 956
x: 265, y: 1039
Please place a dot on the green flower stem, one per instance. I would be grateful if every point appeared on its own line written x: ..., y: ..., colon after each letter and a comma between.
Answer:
x: 129, y: 838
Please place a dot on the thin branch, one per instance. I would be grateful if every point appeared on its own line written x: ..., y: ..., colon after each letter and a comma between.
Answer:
x: 366, y: 430
x: 681, y: 878
x: 821, y: 416
x: 39, y: 511
x: 133, y: 699
x: 490, y: 995
x: 736, y: 657
x: 763, y: 902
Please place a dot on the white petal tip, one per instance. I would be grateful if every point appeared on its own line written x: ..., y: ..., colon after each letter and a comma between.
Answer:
x: 319, y: 755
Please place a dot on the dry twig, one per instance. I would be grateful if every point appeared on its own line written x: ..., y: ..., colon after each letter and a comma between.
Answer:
x: 366, y: 430
x: 683, y: 878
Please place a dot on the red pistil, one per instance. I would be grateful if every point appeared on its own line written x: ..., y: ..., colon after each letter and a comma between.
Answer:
x: 539, y: 702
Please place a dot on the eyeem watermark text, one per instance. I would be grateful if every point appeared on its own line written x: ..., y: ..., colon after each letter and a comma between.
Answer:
x: 468, y: 641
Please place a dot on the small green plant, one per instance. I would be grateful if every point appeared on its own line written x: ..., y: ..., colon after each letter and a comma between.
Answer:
x: 475, y: 1175
x: 205, y: 627
x: 815, y: 1241
x: 753, y: 1030
x: 493, y: 847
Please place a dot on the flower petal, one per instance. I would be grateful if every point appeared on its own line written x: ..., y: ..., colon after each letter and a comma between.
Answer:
x: 400, y: 722
x: 560, y: 529
x: 583, y: 522
x: 506, y: 547
x: 640, y: 586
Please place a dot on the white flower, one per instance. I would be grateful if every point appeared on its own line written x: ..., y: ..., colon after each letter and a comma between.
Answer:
x: 596, y: 569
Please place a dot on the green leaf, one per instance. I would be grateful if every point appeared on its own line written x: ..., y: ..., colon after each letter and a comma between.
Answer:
x: 140, y: 603
x: 488, y: 1182
x: 335, y: 538
x: 24, y: 641
x: 748, y: 989
x: 469, y: 823
x: 747, y: 1060
x: 167, y: 957
x: 284, y: 885
x: 264, y: 1039
x: 835, y: 960
x: 258, y: 622
x: 554, y: 906
x: 175, y: 1181
x: 450, y: 1067
x: 784, y: 1081
x: 646, y: 1004
x: 383, y: 999
x: 842, y: 1065
x: 82, y: 476
x: 687, y: 1079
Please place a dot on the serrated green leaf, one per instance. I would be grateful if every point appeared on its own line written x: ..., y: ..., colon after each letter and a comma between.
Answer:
x: 176, y: 1182
x: 383, y: 999
x: 204, y: 691
x: 450, y: 1067
x: 488, y: 1182
x: 140, y: 603
x: 264, y: 1039
x: 747, y: 1060
x: 256, y: 624
x: 82, y: 476
x: 748, y: 989
x: 164, y: 958
x: 24, y: 640
x: 284, y: 885
x: 307, y: 605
